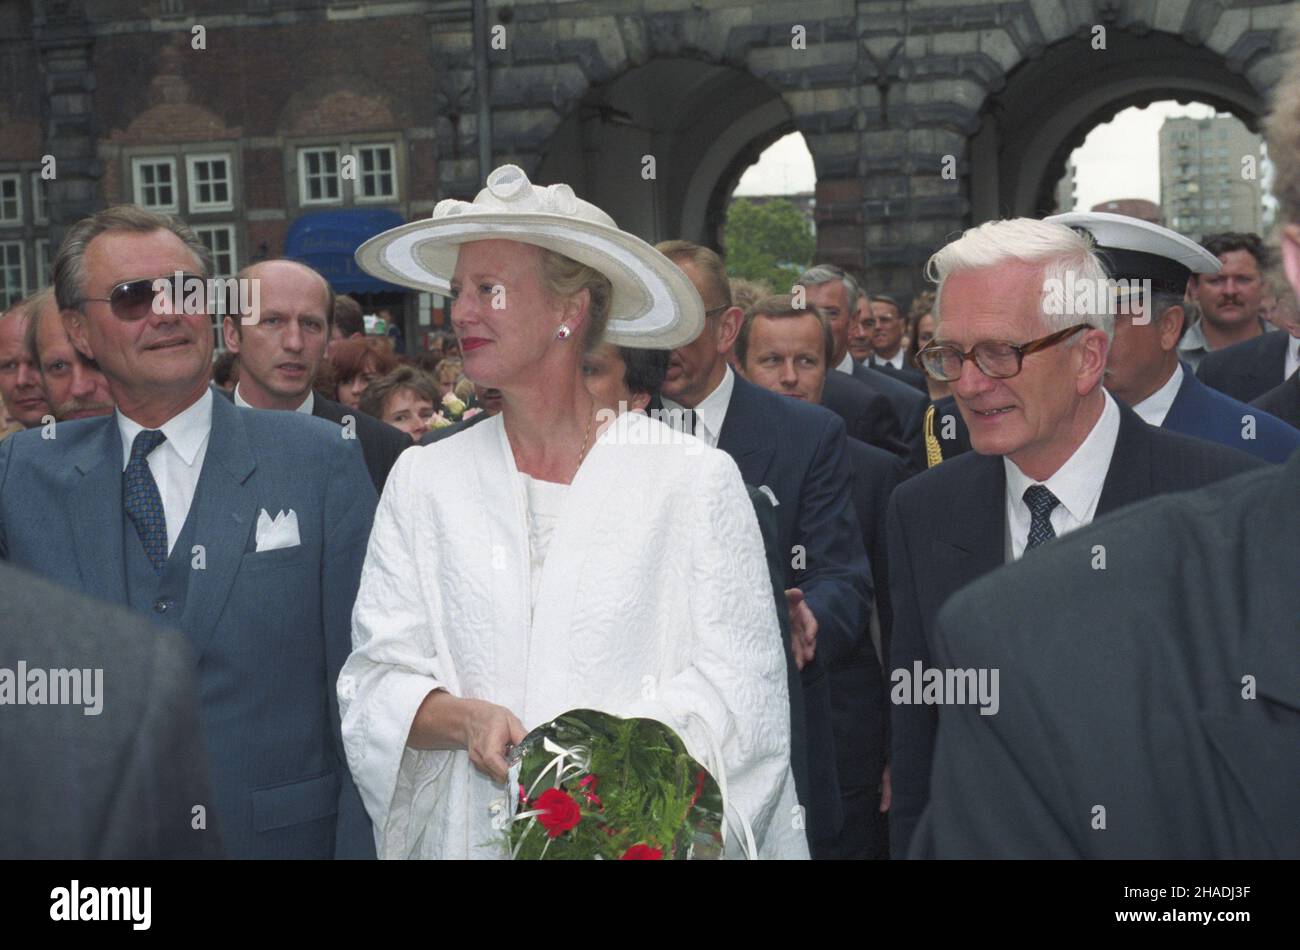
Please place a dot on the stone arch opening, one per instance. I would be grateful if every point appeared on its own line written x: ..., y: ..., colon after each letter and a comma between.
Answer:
x: 1049, y: 105
x: 702, y: 123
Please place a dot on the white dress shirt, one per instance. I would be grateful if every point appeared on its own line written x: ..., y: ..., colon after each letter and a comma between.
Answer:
x: 1155, y: 407
x: 846, y: 365
x: 1292, y: 357
x: 712, y: 410
x: 895, y: 361
x: 307, y: 404
x: 1076, y: 484
x: 177, y: 462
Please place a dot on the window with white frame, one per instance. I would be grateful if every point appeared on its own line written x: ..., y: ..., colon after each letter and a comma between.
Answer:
x: 155, y: 183
x: 40, y: 200
x: 44, y: 265
x: 13, y: 282
x: 210, y: 187
x: 376, y: 173
x: 318, y: 176
x: 11, y: 199
x: 220, y: 241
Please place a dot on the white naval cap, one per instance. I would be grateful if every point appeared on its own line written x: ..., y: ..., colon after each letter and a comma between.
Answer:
x: 1131, y: 248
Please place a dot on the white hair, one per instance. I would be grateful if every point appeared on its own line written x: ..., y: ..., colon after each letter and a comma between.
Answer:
x: 1067, y: 257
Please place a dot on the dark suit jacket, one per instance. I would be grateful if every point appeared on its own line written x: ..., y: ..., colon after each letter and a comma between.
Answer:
x: 269, y: 630
x: 868, y: 415
x: 118, y: 784
x: 436, y: 435
x: 1125, y: 688
x: 380, y: 442
x: 950, y: 432
x: 1208, y: 414
x: 909, y: 406
x: 857, y: 686
x: 913, y: 377
x: 1246, y: 370
x: 767, y: 525
x: 797, y: 450
x: 947, y: 528
x: 1283, y: 401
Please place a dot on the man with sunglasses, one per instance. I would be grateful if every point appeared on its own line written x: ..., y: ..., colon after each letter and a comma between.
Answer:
x: 73, y: 385
x: 1025, y: 352
x: 242, y: 530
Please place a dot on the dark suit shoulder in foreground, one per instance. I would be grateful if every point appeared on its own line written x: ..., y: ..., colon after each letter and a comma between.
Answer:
x: 1161, y: 693
x: 381, y: 443
x: 1283, y: 401
x: 122, y: 783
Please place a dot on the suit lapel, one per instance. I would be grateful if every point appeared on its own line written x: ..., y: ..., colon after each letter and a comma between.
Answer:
x: 224, y: 513
x: 974, y: 533
x: 1129, y: 477
x: 742, y: 436
x: 98, y: 515
x: 1185, y: 404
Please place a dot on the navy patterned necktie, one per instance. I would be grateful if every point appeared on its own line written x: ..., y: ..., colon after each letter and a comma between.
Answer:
x: 141, y: 498
x: 1041, y: 501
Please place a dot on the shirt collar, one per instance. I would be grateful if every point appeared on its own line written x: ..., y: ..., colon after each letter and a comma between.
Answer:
x: 185, y: 431
x: 1077, y: 483
x: 307, y: 404
x: 1193, y: 340
x: 895, y: 361
x: 846, y: 365
x: 1155, y: 407
x: 712, y: 409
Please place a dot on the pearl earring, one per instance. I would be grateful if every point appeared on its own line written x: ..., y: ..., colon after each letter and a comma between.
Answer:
x: 563, y: 332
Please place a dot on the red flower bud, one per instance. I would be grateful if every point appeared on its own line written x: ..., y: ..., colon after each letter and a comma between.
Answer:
x: 559, y: 812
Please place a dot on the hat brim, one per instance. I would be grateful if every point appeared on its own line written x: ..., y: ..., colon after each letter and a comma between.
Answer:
x: 654, y: 305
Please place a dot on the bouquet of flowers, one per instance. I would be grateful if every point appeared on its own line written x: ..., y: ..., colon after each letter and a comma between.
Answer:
x: 588, y: 785
x: 453, y: 410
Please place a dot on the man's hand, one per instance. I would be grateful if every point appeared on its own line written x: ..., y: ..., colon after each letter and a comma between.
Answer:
x: 803, y: 628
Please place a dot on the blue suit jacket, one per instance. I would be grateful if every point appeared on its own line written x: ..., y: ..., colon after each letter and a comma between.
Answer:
x: 269, y: 630
x: 798, y: 451
x: 1208, y: 414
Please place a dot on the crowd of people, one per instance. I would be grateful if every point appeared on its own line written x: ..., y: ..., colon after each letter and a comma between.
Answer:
x: 1005, y: 572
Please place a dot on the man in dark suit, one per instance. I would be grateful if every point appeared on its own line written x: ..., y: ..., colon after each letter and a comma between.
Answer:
x: 835, y: 293
x: 1142, y: 369
x: 1052, y: 450
x: 1169, y: 728
x: 1245, y: 371
x: 280, y: 350
x: 888, y: 355
x: 118, y: 774
x: 867, y: 414
x: 1283, y: 401
x: 244, y: 529
x: 787, y: 350
x: 797, y: 452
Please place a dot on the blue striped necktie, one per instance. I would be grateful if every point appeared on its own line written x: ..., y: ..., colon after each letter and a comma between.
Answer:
x: 142, y: 500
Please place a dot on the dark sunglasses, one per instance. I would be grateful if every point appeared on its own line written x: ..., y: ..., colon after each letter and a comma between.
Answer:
x: 134, y: 299
x: 995, y: 358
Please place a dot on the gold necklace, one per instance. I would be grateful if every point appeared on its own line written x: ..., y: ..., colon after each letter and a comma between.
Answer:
x: 583, y: 451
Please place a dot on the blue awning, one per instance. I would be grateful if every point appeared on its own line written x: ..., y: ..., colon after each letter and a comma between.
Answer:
x: 328, y: 240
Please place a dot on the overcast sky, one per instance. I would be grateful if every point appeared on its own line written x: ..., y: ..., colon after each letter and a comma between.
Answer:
x: 1117, y: 160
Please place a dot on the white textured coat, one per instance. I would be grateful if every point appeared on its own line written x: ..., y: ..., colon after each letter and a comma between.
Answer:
x: 655, y: 601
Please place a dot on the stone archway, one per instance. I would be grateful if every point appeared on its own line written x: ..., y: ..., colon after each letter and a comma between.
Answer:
x: 700, y: 124
x: 1029, y: 128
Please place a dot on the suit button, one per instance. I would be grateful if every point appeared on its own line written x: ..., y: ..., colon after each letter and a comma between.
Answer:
x: 162, y: 606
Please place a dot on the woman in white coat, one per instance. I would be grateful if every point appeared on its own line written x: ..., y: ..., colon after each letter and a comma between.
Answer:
x: 592, y: 560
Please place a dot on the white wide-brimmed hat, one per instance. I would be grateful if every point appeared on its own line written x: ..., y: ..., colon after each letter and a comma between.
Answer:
x: 654, y: 304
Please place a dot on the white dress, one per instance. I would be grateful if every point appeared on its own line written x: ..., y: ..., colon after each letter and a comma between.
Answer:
x: 652, y: 599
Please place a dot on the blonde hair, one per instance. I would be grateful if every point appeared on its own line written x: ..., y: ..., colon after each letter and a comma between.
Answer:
x: 564, y: 277
x: 706, y: 261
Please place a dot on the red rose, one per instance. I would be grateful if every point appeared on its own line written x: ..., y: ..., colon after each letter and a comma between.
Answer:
x: 559, y: 811
x: 642, y: 852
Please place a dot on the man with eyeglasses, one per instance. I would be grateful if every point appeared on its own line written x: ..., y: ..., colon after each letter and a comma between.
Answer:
x: 243, y: 531
x: 1025, y: 351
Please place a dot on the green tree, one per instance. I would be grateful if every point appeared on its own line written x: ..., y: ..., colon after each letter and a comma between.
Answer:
x: 770, y: 242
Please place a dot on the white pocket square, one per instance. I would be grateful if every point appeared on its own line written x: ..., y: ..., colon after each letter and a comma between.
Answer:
x: 282, y: 532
